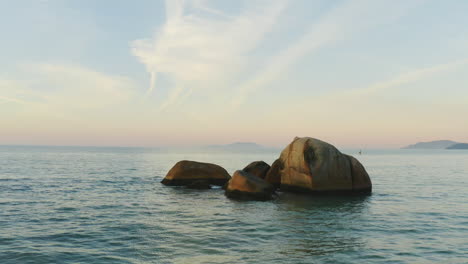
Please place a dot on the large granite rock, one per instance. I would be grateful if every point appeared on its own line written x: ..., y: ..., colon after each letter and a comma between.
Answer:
x: 246, y: 186
x: 187, y: 172
x: 257, y: 168
x: 313, y: 166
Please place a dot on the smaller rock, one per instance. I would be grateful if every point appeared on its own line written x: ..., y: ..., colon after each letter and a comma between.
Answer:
x: 186, y: 172
x: 246, y: 186
x: 257, y: 168
x: 200, y: 185
x: 273, y: 175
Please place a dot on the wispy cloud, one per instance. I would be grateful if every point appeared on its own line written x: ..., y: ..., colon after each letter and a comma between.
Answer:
x: 64, y: 87
x: 14, y: 100
x: 53, y: 101
x: 408, y: 77
x: 201, y: 48
x: 13, y: 91
x: 202, y: 51
x: 344, y: 21
x: 367, y: 97
x: 80, y: 87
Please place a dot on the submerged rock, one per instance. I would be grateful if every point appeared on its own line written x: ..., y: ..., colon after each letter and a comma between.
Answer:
x: 314, y: 166
x: 187, y: 172
x: 257, y: 168
x: 246, y: 186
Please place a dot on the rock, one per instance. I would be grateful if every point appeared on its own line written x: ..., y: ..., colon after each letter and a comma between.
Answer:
x: 361, y: 180
x: 200, y: 184
x: 187, y: 172
x: 257, y: 168
x: 246, y: 186
x: 313, y: 166
x: 273, y: 175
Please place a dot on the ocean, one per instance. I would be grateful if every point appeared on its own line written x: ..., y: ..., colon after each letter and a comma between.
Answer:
x: 106, y: 205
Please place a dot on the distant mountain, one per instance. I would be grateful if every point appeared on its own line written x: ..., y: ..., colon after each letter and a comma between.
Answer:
x: 439, y: 144
x: 459, y: 146
x: 240, y: 147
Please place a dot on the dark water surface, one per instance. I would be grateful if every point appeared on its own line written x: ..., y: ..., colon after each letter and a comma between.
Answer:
x: 106, y: 205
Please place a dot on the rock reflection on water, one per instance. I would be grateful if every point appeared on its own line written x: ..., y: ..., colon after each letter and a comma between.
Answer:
x: 320, y: 225
x: 293, y: 227
x: 207, y: 259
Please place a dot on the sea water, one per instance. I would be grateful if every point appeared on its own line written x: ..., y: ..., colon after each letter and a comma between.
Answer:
x: 106, y: 205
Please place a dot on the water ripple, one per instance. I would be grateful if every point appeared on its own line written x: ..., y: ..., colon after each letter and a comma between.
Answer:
x: 100, y: 206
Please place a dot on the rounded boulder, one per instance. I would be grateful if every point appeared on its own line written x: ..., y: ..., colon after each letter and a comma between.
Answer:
x: 246, y: 186
x: 314, y: 166
x: 257, y: 168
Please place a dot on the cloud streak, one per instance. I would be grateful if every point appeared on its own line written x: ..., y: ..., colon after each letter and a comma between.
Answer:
x: 365, y: 96
x: 344, y: 21
x: 83, y: 88
x: 13, y: 92
x: 13, y: 100
x: 64, y: 88
x: 408, y: 77
x: 201, y: 51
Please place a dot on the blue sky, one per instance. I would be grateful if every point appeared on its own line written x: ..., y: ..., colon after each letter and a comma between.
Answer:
x: 363, y: 73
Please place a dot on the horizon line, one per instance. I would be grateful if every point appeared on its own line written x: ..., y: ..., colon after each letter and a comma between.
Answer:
x: 181, y: 147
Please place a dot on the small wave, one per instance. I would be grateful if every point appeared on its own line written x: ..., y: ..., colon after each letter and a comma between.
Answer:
x: 15, y: 179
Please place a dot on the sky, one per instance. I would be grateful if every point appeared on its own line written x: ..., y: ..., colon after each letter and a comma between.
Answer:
x: 355, y: 73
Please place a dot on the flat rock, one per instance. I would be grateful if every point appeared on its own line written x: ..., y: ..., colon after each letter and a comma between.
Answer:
x: 187, y: 172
